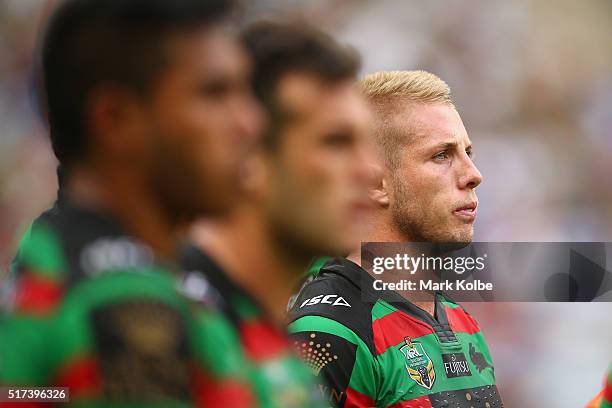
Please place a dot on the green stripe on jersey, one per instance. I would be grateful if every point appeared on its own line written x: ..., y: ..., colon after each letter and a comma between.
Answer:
x: 317, y: 264
x: 398, y: 386
x: 40, y: 251
x: 385, y: 378
x: 381, y: 309
x: 363, y: 377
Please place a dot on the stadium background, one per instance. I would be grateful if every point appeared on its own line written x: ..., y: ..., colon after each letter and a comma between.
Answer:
x: 533, y: 82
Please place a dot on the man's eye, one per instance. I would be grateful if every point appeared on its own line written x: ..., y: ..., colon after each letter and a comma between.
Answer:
x: 441, y: 156
x: 214, y: 89
x: 340, y: 139
x: 470, y: 153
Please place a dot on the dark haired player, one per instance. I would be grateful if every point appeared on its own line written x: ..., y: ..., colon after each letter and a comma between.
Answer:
x: 146, y: 99
x: 303, y: 194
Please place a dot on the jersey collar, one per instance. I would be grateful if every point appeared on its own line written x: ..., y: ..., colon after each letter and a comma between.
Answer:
x: 361, y: 279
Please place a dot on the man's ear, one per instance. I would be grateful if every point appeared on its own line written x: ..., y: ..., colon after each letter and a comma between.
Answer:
x: 379, y: 190
x: 116, y: 120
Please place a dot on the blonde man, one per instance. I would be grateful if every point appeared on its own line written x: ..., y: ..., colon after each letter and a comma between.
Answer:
x: 382, y: 348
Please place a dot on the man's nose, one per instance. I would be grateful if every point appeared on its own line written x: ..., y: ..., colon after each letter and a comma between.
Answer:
x: 470, y: 176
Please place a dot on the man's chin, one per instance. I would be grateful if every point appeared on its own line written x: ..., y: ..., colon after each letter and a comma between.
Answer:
x: 218, y: 205
x: 464, y: 235
x: 342, y: 250
x: 340, y: 246
x: 445, y: 247
x: 455, y: 239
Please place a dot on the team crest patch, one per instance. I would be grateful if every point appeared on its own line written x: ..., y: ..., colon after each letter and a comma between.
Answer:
x: 419, y: 365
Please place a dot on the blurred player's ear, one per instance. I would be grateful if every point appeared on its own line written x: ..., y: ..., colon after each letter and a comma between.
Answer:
x: 378, y: 190
x: 116, y: 121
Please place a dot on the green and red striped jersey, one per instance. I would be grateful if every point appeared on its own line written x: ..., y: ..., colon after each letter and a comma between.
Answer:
x: 604, y: 398
x: 282, y: 380
x: 92, y: 310
x: 371, y: 348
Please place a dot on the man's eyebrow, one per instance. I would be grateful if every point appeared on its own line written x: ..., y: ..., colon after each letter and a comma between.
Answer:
x: 450, y: 145
x: 445, y: 145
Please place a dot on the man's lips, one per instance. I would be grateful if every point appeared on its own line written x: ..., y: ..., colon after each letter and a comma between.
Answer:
x: 467, y: 212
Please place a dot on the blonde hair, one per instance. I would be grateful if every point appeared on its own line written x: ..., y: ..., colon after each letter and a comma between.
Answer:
x: 390, y: 92
x: 414, y: 86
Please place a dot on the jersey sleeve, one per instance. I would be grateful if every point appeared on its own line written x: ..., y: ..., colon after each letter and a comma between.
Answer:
x: 344, y: 368
x: 330, y: 314
x: 221, y: 376
x: 39, y: 270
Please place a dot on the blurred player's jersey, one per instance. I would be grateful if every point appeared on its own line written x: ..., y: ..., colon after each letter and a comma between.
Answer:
x: 311, y: 273
x: 375, y: 348
x: 282, y: 379
x: 604, y: 399
x: 93, y: 311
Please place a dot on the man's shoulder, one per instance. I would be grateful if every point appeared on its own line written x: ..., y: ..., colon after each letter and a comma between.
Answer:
x: 41, y: 249
x: 327, y: 293
x: 205, y: 281
x: 334, y: 296
x: 88, y: 243
x: 66, y: 246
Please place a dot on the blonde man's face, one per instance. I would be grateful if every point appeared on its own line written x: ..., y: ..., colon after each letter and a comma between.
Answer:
x: 433, y: 189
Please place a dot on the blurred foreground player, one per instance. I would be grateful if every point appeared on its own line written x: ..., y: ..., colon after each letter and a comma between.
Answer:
x: 303, y: 194
x: 604, y: 399
x: 146, y: 99
x: 386, y: 350
x: 606, y: 396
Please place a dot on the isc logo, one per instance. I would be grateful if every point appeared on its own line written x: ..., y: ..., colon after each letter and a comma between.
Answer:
x: 333, y: 300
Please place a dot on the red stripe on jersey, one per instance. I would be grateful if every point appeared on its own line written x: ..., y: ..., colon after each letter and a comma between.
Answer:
x: 421, y: 402
x: 460, y: 321
x: 262, y: 341
x: 391, y: 329
x: 81, y: 375
x: 37, y: 294
x: 216, y: 392
x: 355, y: 399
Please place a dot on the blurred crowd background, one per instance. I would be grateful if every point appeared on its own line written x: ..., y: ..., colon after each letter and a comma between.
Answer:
x: 533, y: 82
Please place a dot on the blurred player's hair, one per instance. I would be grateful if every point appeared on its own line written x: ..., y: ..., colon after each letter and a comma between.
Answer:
x: 282, y: 48
x: 91, y: 42
x: 390, y: 92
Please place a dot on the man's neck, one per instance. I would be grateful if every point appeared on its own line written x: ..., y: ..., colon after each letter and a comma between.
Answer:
x: 247, y: 252
x: 382, y: 229
x: 124, y: 197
